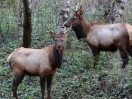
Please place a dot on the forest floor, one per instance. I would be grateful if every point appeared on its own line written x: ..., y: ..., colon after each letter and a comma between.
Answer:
x: 76, y: 79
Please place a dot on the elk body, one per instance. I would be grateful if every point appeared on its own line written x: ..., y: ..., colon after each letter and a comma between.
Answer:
x: 37, y: 62
x: 103, y: 37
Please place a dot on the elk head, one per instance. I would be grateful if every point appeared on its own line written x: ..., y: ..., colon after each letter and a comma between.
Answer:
x: 58, y: 39
x: 75, y: 19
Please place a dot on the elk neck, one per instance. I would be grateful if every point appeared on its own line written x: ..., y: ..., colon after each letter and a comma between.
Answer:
x: 81, y: 29
x: 56, y: 57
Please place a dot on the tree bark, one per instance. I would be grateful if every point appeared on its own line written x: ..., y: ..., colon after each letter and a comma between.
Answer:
x: 34, y: 3
x: 27, y: 26
x: 20, y: 19
x: 116, y: 12
x: 64, y: 13
x: 20, y: 23
x: 103, y: 9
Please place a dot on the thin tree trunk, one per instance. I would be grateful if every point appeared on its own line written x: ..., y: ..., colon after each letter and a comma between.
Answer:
x: 20, y: 19
x: 116, y: 12
x: 64, y: 13
x: 27, y: 26
x: 20, y: 23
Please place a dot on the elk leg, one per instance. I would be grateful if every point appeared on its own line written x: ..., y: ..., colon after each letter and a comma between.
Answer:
x: 130, y: 51
x: 42, y: 84
x: 17, y: 80
x: 124, y: 57
x: 49, y: 80
x: 95, y: 52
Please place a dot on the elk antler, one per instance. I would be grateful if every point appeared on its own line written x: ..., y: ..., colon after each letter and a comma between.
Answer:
x: 73, y: 9
x: 81, y: 3
x: 49, y: 29
x: 76, y: 7
x: 80, y: 7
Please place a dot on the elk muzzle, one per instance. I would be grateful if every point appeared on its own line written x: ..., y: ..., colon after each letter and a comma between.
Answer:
x: 67, y: 23
x: 59, y: 44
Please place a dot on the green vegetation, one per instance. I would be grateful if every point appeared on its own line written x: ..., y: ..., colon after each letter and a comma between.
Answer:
x: 76, y: 79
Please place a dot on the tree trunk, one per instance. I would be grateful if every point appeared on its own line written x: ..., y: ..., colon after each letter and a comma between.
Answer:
x: 20, y: 23
x: 116, y: 12
x: 103, y: 9
x: 27, y: 26
x: 64, y: 13
x: 34, y: 3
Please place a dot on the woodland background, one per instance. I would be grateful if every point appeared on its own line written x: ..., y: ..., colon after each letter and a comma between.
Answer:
x: 76, y: 79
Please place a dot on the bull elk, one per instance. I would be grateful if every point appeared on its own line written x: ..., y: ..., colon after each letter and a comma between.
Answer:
x: 38, y: 62
x: 103, y: 37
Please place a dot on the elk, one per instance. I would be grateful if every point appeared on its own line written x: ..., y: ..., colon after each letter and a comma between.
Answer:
x: 103, y: 37
x: 38, y: 62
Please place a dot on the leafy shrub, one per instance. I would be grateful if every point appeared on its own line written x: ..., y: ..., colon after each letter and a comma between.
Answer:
x: 76, y: 79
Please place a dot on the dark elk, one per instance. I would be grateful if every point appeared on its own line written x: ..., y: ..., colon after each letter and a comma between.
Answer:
x: 103, y: 37
x: 38, y: 62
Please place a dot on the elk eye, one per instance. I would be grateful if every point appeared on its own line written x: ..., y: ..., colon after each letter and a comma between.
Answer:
x: 56, y: 40
x: 61, y: 40
x: 74, y: 18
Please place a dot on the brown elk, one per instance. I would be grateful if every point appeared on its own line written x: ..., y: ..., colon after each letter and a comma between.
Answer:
x: 103, y: 37
x: 38, y: 62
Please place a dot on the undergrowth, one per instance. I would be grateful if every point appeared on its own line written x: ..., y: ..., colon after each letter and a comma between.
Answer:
x: 76, y: 79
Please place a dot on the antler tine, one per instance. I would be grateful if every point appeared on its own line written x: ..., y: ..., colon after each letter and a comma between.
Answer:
x: 73, y: 9
x: 80, y: 7
x: 49, y: 29
x: 81, y: 3
x: 76, y: 7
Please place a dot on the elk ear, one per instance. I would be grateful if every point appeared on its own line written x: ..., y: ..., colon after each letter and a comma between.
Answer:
x: 66, y: 33
x: 52, y: 34
x: 81, y: 12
